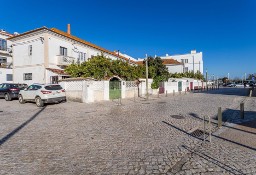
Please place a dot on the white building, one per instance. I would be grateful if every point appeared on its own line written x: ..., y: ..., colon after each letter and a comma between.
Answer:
x: 40, y: 55
x: 192, y: 62
x: 6, y: 74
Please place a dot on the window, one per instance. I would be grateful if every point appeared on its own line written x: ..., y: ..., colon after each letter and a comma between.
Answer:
x: 27, y: 76
x: 30, y: 50
x: 8, y: 77
x: 3, y: 60
x: 3, y: 44
x: 63, y: 51
x: 185, y: 69
x: 184, y: 60
x: 53, y: 87
x: 82, y: 56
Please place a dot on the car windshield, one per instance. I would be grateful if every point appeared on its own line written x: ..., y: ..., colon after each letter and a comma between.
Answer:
x: 53, y: 87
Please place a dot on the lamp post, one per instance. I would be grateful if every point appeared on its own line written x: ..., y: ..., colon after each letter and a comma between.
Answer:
x: 146, y: 77
x: 206, y: 74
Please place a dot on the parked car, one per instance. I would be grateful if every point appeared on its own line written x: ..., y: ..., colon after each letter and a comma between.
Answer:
x: 231, y: 85
x: 252, y: 84
x: 43, y: 93
x: 10, y: 90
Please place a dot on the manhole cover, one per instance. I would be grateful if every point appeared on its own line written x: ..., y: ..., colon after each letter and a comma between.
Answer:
x: 177, y: 116
x: 198, y: 133
x: 145, y: 103
x: 1, y: 111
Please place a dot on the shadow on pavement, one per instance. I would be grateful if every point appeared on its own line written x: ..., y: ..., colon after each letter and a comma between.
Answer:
x: 16, y: 130
x: 212, y: 160
x: 213, y: 135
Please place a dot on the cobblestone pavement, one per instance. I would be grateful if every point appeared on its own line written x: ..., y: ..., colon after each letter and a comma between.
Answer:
x: 138, y: 137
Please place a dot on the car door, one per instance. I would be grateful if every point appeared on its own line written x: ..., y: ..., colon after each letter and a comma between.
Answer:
x: 28, y: 93
x: 3, y: 89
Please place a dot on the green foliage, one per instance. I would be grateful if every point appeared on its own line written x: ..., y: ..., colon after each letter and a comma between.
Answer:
x: 189, y: 74
x: 100, y: 67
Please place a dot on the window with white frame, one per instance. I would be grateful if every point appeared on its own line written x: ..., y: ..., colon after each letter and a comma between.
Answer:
x: 30, y: 50
x: 3, y: 44
x: 185, y: 69
x: 82, y: 56
x: 63, y: 51
x: 27, y: 76
x: 184, y: 60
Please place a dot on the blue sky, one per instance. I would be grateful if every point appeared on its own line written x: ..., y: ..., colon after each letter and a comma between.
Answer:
x: 224, y: 30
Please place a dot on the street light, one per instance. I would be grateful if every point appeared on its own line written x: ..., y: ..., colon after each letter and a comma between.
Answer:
x: 147, y: 76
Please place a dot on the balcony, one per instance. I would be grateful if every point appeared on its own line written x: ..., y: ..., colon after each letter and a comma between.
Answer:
x: 7, y: 65
x: 5, y: 53
x: 65, y: 60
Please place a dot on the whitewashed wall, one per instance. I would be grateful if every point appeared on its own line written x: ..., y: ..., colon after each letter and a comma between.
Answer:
x: 195, y: 58
x: 25, y: 63
x: 3, y: 74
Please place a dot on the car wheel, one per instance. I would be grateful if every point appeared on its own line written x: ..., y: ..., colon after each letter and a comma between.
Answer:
x: 21, y: 99
x: 39, y: 102
x: 7, y: 97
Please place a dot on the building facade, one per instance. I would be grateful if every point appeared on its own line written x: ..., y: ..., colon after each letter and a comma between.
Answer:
x: 40, y: 55
x: 192, y: 62
x: 6, y: 74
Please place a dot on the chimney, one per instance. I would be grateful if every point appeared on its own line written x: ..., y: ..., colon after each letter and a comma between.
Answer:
x: 68, y: 31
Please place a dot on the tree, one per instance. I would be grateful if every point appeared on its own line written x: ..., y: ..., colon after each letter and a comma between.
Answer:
x: 157, y: 71
x: 99, y: 67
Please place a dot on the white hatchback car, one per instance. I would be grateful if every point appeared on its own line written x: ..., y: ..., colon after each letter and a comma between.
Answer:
x: 43, y: 93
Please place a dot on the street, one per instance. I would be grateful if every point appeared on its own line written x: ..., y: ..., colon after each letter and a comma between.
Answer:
x: 137, y: 137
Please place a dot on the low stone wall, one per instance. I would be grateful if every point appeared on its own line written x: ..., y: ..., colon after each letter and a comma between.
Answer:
x: 74, y: 96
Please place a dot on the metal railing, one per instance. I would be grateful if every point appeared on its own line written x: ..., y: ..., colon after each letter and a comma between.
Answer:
x: 65, y: 60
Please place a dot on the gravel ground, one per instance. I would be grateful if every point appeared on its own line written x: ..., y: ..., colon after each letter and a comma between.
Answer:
x: 138, y: 137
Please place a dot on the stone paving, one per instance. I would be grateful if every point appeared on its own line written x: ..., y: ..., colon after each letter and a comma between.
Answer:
x: 137, y: 137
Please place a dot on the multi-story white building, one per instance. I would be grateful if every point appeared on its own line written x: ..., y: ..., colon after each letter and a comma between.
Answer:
x: 40, y: 55
x: 192, y: 62
x: 6, y: 74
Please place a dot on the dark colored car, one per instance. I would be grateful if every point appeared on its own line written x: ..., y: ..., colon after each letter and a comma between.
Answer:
x: 11, y: 90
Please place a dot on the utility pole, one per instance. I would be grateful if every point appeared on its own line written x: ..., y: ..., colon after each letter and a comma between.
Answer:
x: 206, y: 74
x: 193, y: 65
x: 146, y: 77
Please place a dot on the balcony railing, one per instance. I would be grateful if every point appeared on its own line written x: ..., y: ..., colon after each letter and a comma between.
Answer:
x: 65, y: 60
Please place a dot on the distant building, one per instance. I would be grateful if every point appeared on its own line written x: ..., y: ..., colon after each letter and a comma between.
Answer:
x: 192, y: 62
x: 40, y: 55
x: 6, y: 74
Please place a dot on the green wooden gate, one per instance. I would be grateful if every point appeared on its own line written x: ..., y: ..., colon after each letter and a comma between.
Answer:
x: 114, y: 89
x: 180, y: 85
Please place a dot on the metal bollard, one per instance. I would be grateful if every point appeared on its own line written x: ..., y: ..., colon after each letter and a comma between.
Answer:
x: 185, y: 91
x: 173, y: 92
x: 158, y: 94
x: 210, y: 130
x: 219, y: 117
x: 204, y: 129
x: 134, y: 95
x: 242, y: 110
x: 166, y: 93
